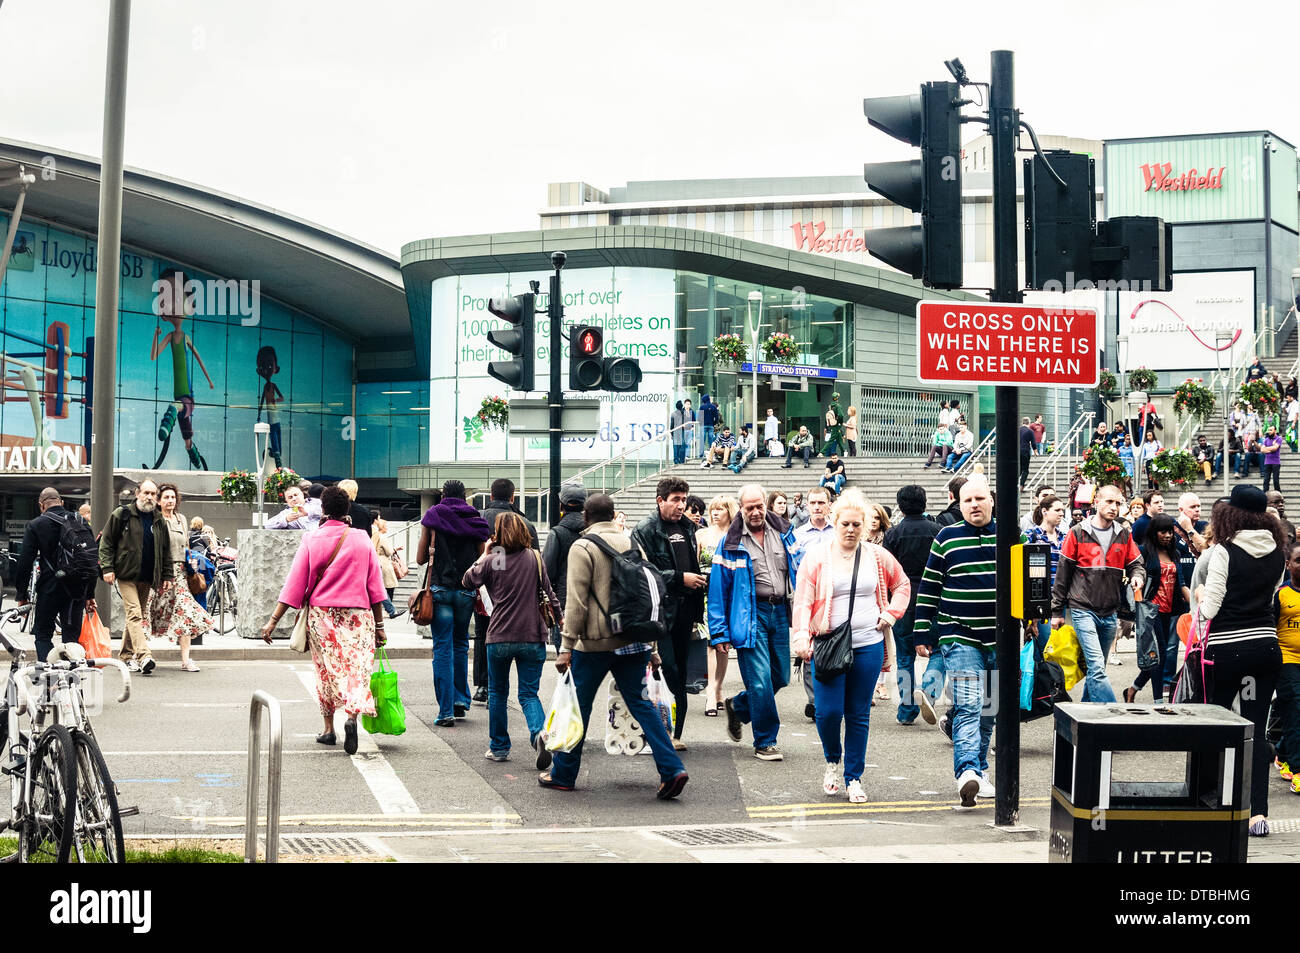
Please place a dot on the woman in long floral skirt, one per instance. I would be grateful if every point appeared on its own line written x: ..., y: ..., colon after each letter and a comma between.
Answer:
x: 336, y: 573
x: 173, y: 611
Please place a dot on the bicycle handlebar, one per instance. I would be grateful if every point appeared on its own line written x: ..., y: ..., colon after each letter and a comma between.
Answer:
x: 125, y: 672
x: 21, y: 679
x: 12, y: 615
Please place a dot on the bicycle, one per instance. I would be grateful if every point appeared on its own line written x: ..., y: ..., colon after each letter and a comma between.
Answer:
x: 62, y: 799
x: 223, y: 591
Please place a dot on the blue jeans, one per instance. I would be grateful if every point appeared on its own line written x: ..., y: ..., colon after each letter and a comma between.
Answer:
x: 589, y: 670
x: 972, y: 718
x: 835, y: 483
x: 529, y: 657
x: 706, y: 440
x: 955, y: 460
x: 765, y: 670
x: 1163, y: 638
x: 905, y: 650
x: 452, y: 610
x: 1096, y: 633
x: 847, y: 699
x: 742, y: 462
x: 679, y: 453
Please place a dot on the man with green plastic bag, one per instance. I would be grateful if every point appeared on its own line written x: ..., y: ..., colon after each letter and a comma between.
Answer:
x: 389, y: 717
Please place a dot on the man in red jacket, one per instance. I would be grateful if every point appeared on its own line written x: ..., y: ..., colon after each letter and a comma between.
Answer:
x: 1096, y: 555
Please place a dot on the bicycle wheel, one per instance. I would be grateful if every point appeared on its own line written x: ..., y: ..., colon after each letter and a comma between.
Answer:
x: 45, y: 831
x: 97, y: 833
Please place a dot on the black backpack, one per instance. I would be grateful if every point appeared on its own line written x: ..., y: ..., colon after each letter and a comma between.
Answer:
x: 76, y: 561
x: 636, y: 594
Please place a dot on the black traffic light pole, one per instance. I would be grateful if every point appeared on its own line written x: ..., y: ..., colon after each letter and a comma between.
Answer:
x: 1004, y: 123
x: 555, y: 312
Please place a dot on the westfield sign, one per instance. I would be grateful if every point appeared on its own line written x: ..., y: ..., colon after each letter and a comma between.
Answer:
x: 1161, y: 178
x: 808, y: 236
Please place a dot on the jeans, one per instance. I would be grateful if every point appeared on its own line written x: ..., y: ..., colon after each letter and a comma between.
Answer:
x: 1273, y: 471
x: 52, y: 605
x: 805, y: 452
x: 706, y: 440
x: 972, y: 718
x: 743, y: 461
x: 1096, y: 634
x: 1244, y: 461
x: 388, y: 603
x: 765, y: 670
x: 528, y: 657
x: 589, y: 670
x: 1164, y: 639
x: 931, y: 682
x: 1287, y: 710
x: 479, y: 673
x: 835, y: 483
x: 956, y: 460
x: 847, y: 698
x: 452, y: 609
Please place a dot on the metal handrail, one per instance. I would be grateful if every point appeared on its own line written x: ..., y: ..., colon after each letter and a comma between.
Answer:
x: 1046, y: 472
x: 982, y: 450
x: 274, y: 756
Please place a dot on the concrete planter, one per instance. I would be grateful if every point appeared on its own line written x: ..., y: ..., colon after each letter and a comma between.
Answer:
x: 265, y: 556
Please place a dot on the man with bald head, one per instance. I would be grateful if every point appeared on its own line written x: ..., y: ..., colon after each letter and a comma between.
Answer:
x: 956, y: 615
x: 750, y: 588
x: 54, y: 600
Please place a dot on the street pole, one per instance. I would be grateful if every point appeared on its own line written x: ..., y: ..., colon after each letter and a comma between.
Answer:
x: 109, y: 237
x: 755, y: 298
x: 555, y: 313
x: 1004, y: 124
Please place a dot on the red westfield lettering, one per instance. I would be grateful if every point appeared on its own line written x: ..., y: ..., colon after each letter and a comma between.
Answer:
x: 810, y: 234
x: 1161, y: 178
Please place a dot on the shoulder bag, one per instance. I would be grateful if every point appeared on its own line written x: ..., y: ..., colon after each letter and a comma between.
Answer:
x: 298, y: 641
x: 421, y: 602
x: 833, y: 652
x: 544, y: 606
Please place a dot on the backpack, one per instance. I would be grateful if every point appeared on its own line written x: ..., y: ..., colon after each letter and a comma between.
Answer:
x: 636, y: 595
x: 76, y: 560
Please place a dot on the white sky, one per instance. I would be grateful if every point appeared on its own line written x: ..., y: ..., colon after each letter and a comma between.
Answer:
x: 391, y: 121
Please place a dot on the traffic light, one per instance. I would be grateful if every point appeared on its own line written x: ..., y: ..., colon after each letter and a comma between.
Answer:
x: 930, y: 185
x: 622, y: 374
x: 1060, y: 221
x: 518, y: 341
x: 586, y: 358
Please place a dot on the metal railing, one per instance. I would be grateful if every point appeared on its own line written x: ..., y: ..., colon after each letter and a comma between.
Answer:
x: 983, y: 451
x: 1068, y: 447
x: 274, y: 755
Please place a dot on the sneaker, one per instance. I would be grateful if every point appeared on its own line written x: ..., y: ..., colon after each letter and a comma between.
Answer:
x: 133, y: 666
x: 986, y: 787
x: 856, y: 794
x: 945, y: 725
x: 831, y: 779
x: 496, y: 755
x: 968, y: 786
x: 770, y: 753
x: 1114, y: 659
x: 1295, y: 785
x: 1283, y: 769
x: 460, y: 711
x: 810, y: 712
x: 927, y: 707
x: 480, y: 695
x: 733, y: 722
x: 147, y: 666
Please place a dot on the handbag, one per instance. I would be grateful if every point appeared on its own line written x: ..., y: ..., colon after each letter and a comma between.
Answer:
x: 420, y: 604
x: 833, y: 652
x: 193, y: 578
x: 298, y: 641
x: 400, y: 569
x: 543, y: 602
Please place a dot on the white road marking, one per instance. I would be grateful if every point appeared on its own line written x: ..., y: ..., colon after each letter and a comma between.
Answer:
x: 286, y: 701
x: 384, y: 784
x: 241, y: 752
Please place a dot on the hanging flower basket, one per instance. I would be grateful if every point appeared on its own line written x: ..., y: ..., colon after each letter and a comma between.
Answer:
x: 1260, y: 396
x: 278, y: 482
x: 1106, y: 383
x: 1102, y: 465
x: 1175, y: 468
x: 238, y: 486
x: 1193, y: 399
x: 494, y: 412
x: 780, y: 348
x: 1142, y: 378
x: 729, y: 349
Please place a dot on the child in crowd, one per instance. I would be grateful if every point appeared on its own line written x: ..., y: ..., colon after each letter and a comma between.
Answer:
x: 1286, y: 610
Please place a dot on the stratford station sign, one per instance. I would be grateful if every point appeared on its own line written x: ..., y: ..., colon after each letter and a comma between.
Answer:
x: 1006, y: 344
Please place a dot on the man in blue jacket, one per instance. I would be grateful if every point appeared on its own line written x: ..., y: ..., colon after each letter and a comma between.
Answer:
x: 750, y: 588
x: 708, y: 420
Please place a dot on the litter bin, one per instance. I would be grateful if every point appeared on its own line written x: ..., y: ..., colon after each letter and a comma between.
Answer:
x: 1198, y: 818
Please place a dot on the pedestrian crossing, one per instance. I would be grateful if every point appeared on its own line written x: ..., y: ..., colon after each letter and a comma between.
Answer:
x: 829, y: 808
x: 495, y: 819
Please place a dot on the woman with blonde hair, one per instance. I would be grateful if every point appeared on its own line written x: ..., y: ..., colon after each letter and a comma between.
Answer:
x: 851, y: 431
x: 719, y: 515
x: 173, y: 612
x: 386, y: 552
x: 848, y: 581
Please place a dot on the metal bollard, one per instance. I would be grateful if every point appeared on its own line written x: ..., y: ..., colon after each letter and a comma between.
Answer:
x: 259, y: 701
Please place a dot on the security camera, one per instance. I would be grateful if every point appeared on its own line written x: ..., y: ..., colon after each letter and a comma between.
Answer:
x: 558, y: 259
x: 957, y: 70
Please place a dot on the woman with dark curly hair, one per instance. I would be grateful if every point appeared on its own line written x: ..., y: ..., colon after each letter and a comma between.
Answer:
x: 1246, y: 568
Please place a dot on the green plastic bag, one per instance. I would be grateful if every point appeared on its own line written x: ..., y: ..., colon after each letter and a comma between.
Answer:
x: 389, y: 717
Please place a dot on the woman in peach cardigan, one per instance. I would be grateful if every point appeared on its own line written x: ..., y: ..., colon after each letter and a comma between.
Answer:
x: 821, y: 603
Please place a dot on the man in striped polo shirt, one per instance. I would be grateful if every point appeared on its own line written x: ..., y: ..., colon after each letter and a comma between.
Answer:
x: 956, y: 612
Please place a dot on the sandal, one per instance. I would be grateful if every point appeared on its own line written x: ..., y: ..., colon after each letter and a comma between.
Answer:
x: 545, y: 780
x: 711, y: 710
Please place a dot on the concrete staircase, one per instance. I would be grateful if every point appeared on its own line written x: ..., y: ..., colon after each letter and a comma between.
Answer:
x: 878, y: 477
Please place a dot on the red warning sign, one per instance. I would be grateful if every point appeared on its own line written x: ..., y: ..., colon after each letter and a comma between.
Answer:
x: 986, y: 343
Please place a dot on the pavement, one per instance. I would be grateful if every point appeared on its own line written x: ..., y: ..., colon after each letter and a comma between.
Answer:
x: 178, y: 751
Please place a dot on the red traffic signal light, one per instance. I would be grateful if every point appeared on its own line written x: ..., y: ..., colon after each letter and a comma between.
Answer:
x: 590, y: 342
x: 586, y: 353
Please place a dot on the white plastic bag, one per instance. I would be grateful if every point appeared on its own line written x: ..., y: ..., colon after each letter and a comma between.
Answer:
x: 661, y: 698
x: 564, y: 720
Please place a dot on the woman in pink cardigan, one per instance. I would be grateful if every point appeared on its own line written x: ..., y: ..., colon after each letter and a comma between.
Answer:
x: 336, y: 572
x: 821, y: 603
